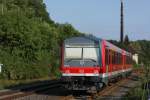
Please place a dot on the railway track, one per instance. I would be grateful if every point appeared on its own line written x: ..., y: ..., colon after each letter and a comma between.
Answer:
x: 28, y: 90
x: 119, y: 89
x: 109, y: 89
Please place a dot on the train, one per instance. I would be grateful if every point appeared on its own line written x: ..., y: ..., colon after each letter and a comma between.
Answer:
x: 90, y: 63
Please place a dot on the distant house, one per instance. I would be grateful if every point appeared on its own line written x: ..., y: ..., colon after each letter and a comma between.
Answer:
x: 135, y: 58
x: 1, y: 67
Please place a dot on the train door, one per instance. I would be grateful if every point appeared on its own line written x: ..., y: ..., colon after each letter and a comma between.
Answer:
x: 108, y: 60
x: 124, y: 65
x: 110, y: 63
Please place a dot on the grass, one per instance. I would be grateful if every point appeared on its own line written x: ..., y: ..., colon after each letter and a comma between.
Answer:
x: 141, y: 91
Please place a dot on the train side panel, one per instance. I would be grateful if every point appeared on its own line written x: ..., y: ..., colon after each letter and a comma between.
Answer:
x: 117, y: 62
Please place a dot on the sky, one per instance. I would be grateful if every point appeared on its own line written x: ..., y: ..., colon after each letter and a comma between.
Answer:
x: 102, y: 17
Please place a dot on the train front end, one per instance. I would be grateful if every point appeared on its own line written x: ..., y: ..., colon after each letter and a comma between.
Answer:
x: 81, y: 63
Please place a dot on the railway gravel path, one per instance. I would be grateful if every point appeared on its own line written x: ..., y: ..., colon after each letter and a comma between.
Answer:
x: 115, y: 91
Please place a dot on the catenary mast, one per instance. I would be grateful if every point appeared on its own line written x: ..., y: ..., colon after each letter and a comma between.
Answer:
x: 122, y: 24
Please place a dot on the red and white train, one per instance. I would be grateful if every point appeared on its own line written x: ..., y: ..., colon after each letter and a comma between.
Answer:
x: 89, y: 63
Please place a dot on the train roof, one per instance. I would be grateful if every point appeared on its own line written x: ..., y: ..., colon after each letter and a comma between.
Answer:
x: 112, y: 46
x: 82, y: 40
x: 115, y: 48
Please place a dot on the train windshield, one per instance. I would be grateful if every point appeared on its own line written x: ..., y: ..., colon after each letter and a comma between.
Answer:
x: 82, y: 56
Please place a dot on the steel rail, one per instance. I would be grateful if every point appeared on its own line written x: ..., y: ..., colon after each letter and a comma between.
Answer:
x: 13, y: 94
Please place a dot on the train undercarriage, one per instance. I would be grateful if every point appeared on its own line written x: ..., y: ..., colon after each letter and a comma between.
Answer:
x: 89, y: 84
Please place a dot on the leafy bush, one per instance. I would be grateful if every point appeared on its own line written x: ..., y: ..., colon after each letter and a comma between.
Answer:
x: 30, y: 40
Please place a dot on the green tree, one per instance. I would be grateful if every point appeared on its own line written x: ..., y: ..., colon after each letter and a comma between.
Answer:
x: 29, y: 39
x: 126, y: 40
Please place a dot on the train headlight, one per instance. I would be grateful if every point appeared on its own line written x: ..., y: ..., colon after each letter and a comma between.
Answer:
x: 95, y: 71
x: 67, y: 71
x: 81, y: 71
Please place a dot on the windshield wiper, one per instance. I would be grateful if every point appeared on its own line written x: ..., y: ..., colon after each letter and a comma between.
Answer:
x: 69, y: 60
x: 91, y: 60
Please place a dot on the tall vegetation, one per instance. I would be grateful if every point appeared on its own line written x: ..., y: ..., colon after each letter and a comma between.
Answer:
x: 29, y: 39
x: 140, y: 47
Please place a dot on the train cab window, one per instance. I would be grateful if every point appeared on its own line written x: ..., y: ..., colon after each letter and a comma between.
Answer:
x: 82, y: 56
x: 91, y: 55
